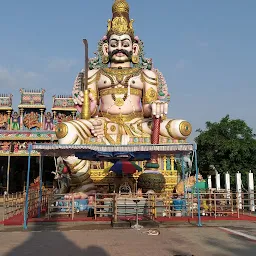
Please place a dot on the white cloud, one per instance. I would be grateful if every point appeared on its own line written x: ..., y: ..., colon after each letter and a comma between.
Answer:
x: 15, y: 79
x: 60, y: 65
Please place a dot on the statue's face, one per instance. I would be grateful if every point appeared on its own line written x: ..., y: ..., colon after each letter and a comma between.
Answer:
x: 120, y: 48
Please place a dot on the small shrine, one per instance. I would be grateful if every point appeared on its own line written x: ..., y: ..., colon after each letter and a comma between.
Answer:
x: 5, y: 111
x: 31, y: 109
x: 63, y: 110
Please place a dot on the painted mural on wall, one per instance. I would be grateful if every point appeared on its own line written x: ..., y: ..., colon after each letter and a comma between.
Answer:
x: 3, y: 121
x: 31, y: 121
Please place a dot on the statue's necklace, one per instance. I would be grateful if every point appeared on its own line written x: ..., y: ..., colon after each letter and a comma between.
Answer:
x: 122, y: 76
x: 120, y: 73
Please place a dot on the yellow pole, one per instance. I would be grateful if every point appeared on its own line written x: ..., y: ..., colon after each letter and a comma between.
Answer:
x: 86, y: 113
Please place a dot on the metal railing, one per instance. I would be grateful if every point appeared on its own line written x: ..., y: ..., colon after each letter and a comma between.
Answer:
x: 152, y: 206
x: 59, y: 205
x: 13, y: 204
x: 117, y: 206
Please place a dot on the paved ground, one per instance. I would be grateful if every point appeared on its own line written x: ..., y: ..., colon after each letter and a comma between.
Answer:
x: 246, y: 227
x: 171, y: 241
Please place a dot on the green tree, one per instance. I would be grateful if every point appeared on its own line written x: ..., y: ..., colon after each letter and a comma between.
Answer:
x: 228, y: 145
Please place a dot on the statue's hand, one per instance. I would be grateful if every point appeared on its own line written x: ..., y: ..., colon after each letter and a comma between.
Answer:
x: 159, y: 108
x: 79, y: 100
x: 98, y: 128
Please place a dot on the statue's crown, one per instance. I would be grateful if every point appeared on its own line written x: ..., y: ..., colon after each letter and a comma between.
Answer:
x: 120, y: 23
x: 120, y: 6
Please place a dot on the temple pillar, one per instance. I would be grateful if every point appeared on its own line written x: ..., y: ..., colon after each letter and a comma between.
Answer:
x: 239, y: 190
x: 54, y: 119
x: 9, y: 119
x: 41, y: 118
x: 172, y: 162
x: 21, y: 118
x: 217, y: 181
x: 209, y: 180
x: 164, y: 159
x: 168, y: 163
x: 227, y: 184
x: 251, y: 191
x: 73, y: 115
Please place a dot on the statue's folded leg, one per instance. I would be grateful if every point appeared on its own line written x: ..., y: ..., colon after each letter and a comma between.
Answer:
x: 170, y: 128
x: 75, y: 133
x: 175, y: 128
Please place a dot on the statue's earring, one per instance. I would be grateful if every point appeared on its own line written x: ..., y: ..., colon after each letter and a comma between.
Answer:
x: 105, y: 59
x: 135, y: 59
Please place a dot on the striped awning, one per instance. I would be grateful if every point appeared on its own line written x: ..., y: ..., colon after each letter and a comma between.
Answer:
x: 66, y: 150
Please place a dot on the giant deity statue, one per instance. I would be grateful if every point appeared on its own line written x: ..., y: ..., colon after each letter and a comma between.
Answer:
x: 126, y: 92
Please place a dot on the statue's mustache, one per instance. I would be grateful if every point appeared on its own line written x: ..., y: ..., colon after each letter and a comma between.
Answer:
x: 128, y: 54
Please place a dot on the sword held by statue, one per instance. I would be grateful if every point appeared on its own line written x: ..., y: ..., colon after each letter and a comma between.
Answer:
x: 86, y: 113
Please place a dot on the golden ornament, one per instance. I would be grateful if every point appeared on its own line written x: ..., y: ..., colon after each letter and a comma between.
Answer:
x: 120, y: 6
x: 135, y: 59
x: 185, y: 128
x: 105, y: 59
x: 119, y: 25
x: 133, y: 91
x: 119, y: 102
x: 61, y: 130
x: 122, y: 118
x: 112, y: 128
x: 150, y: 96
x: 119, y: 74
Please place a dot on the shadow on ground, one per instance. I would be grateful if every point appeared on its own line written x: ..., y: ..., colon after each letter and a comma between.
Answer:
x: 47, y: 241
x: 239, y: 246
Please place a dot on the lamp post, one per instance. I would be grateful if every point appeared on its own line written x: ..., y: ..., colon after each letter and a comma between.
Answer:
x: 199, y: 223
x: 25, y: 226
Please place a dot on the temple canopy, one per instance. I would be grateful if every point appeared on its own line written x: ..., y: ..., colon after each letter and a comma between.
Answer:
x: 133, y: 152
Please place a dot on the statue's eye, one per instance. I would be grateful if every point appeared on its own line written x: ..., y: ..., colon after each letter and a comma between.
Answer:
x: 125, y: 44
x: 113, y: 44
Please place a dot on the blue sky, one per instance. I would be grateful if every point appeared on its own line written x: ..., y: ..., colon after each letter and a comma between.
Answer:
x: 205, y: 49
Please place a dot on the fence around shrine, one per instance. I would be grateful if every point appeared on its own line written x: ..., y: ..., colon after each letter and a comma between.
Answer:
x: 154, y: 206
x: 13, y: 204
x: 213, y: 204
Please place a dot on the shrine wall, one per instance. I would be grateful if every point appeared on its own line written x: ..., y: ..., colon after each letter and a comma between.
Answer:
x: 30, y: 121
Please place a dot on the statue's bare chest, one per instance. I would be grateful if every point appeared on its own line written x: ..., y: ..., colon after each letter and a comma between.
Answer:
x: 120, y: 78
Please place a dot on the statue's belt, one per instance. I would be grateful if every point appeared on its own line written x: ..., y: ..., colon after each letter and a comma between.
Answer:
x: 122, y: 118
x: 110, y: 91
